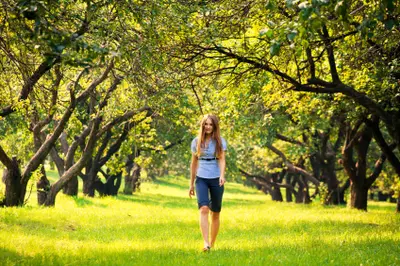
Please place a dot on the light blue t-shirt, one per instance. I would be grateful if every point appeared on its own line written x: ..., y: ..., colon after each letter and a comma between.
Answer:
x: 208, y: 169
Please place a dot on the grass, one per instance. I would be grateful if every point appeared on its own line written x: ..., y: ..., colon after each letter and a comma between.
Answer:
x: 159, y: 226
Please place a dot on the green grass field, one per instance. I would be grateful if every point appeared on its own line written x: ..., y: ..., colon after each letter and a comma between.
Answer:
x: 159, y: 226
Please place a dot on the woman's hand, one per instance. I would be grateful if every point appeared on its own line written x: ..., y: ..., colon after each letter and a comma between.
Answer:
x: 222, y: 181
x: 191, y: 191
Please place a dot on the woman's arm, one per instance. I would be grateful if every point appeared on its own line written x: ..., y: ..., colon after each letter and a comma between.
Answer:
x: 222, y: 166
x: 193, y: 170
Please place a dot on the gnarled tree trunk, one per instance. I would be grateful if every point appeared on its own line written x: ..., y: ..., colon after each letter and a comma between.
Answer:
x: 359, y: 182
x: 359, y: 195
x: 15, y: 190
x: 42, y: 187
x: 132, y: 180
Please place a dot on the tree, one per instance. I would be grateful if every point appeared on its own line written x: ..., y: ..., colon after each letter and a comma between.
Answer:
x: 58, y: 51
x: 306, y: 47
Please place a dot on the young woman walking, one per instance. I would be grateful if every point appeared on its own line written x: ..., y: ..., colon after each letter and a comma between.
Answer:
x: 207, y: 171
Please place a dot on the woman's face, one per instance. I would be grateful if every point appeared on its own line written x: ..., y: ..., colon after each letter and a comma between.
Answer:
x: 208, y: 126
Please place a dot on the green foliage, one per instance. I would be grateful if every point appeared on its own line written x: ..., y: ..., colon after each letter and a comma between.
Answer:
x: 396, y: 187
x: 323, y: 193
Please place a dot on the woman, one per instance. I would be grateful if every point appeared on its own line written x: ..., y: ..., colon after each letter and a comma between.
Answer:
x: 208, y: 169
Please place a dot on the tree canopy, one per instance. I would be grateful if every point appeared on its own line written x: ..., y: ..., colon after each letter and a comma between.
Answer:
x: 307, y: 93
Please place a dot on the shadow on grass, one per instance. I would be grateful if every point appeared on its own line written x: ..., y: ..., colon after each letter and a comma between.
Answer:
x: 158, y: 200
x: 182, y: 183
x: 9, y: 257
x: 86, y: 202
x: 381, y: 252
x: 235, y: 190
x: 241, y: 202
x: 167, y: 183
x: 182, y: 202
x: 82, y: 202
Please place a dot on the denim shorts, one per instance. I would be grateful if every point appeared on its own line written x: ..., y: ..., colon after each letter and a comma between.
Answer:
x: 209, y: 193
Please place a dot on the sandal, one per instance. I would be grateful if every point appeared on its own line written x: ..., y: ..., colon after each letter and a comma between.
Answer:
x: 206, y: 249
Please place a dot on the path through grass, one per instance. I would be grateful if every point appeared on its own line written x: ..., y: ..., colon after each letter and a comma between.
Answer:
x: 158, y: 226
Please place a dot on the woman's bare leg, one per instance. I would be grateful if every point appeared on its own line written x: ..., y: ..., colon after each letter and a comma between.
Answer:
x: 214, y: 227
x: 204, y: 212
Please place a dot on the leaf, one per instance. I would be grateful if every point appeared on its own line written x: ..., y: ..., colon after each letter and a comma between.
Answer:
x: 271, y: 23
x: 59, y: 48
x: 306, y: 13
x: 389, y: 24
x: 292, y: 35
x: 275, y: 48
x: 269, y: 33
x: 269, y: 5
x: 305, y: 43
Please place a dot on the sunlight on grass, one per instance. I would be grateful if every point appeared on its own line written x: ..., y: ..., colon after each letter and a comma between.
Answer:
x: 159, y: 226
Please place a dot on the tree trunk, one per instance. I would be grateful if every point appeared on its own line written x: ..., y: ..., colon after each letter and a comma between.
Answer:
x: 110, y: 187
x: 303, y: 195
x: 132, y: 181
x: 113, y: 184
x: 42, y: 187
x: 71, y: 188
x: 89, y: 184
x: 276, y: 193
x: 58, y: 161
x: 359, y: 196
x: 398, y: 204
x: 332, y: 182
x: 128, y: 189
x: 338, y: 194
x: 289, y: 197
x: 382, y: 197
x: 360, y: 139
x: 15, y: 190
x: 43, y: 184
x: 90, y: 177
x: 136, y: 177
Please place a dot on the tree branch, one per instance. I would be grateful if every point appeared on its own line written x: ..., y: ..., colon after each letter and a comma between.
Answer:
x: 292, y: 168
x: 5, y: 159
x: 290, y: 140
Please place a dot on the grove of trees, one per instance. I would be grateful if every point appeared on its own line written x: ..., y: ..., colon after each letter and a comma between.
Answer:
x: 308, y: 94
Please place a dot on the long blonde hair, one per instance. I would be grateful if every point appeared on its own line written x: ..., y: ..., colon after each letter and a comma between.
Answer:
x: 201, y: 140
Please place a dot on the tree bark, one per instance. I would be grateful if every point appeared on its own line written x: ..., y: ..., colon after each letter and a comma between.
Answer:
x: 337, y: 196
x: 293, y: 168
x: 71, y: 187
x: 136, y: 177
x: 132, y: 177
x: 89, y: 183
x: 112, y: 185
x: 43, y: 184
x: 275, y: 189
x: 303, y: 195
x: 289, y: 192
x: 76, y: 168
x: 359, y: 196
x: 269, y: 185
x: 15, y: 189
x: 359, y: 182
x: 42, y: 187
